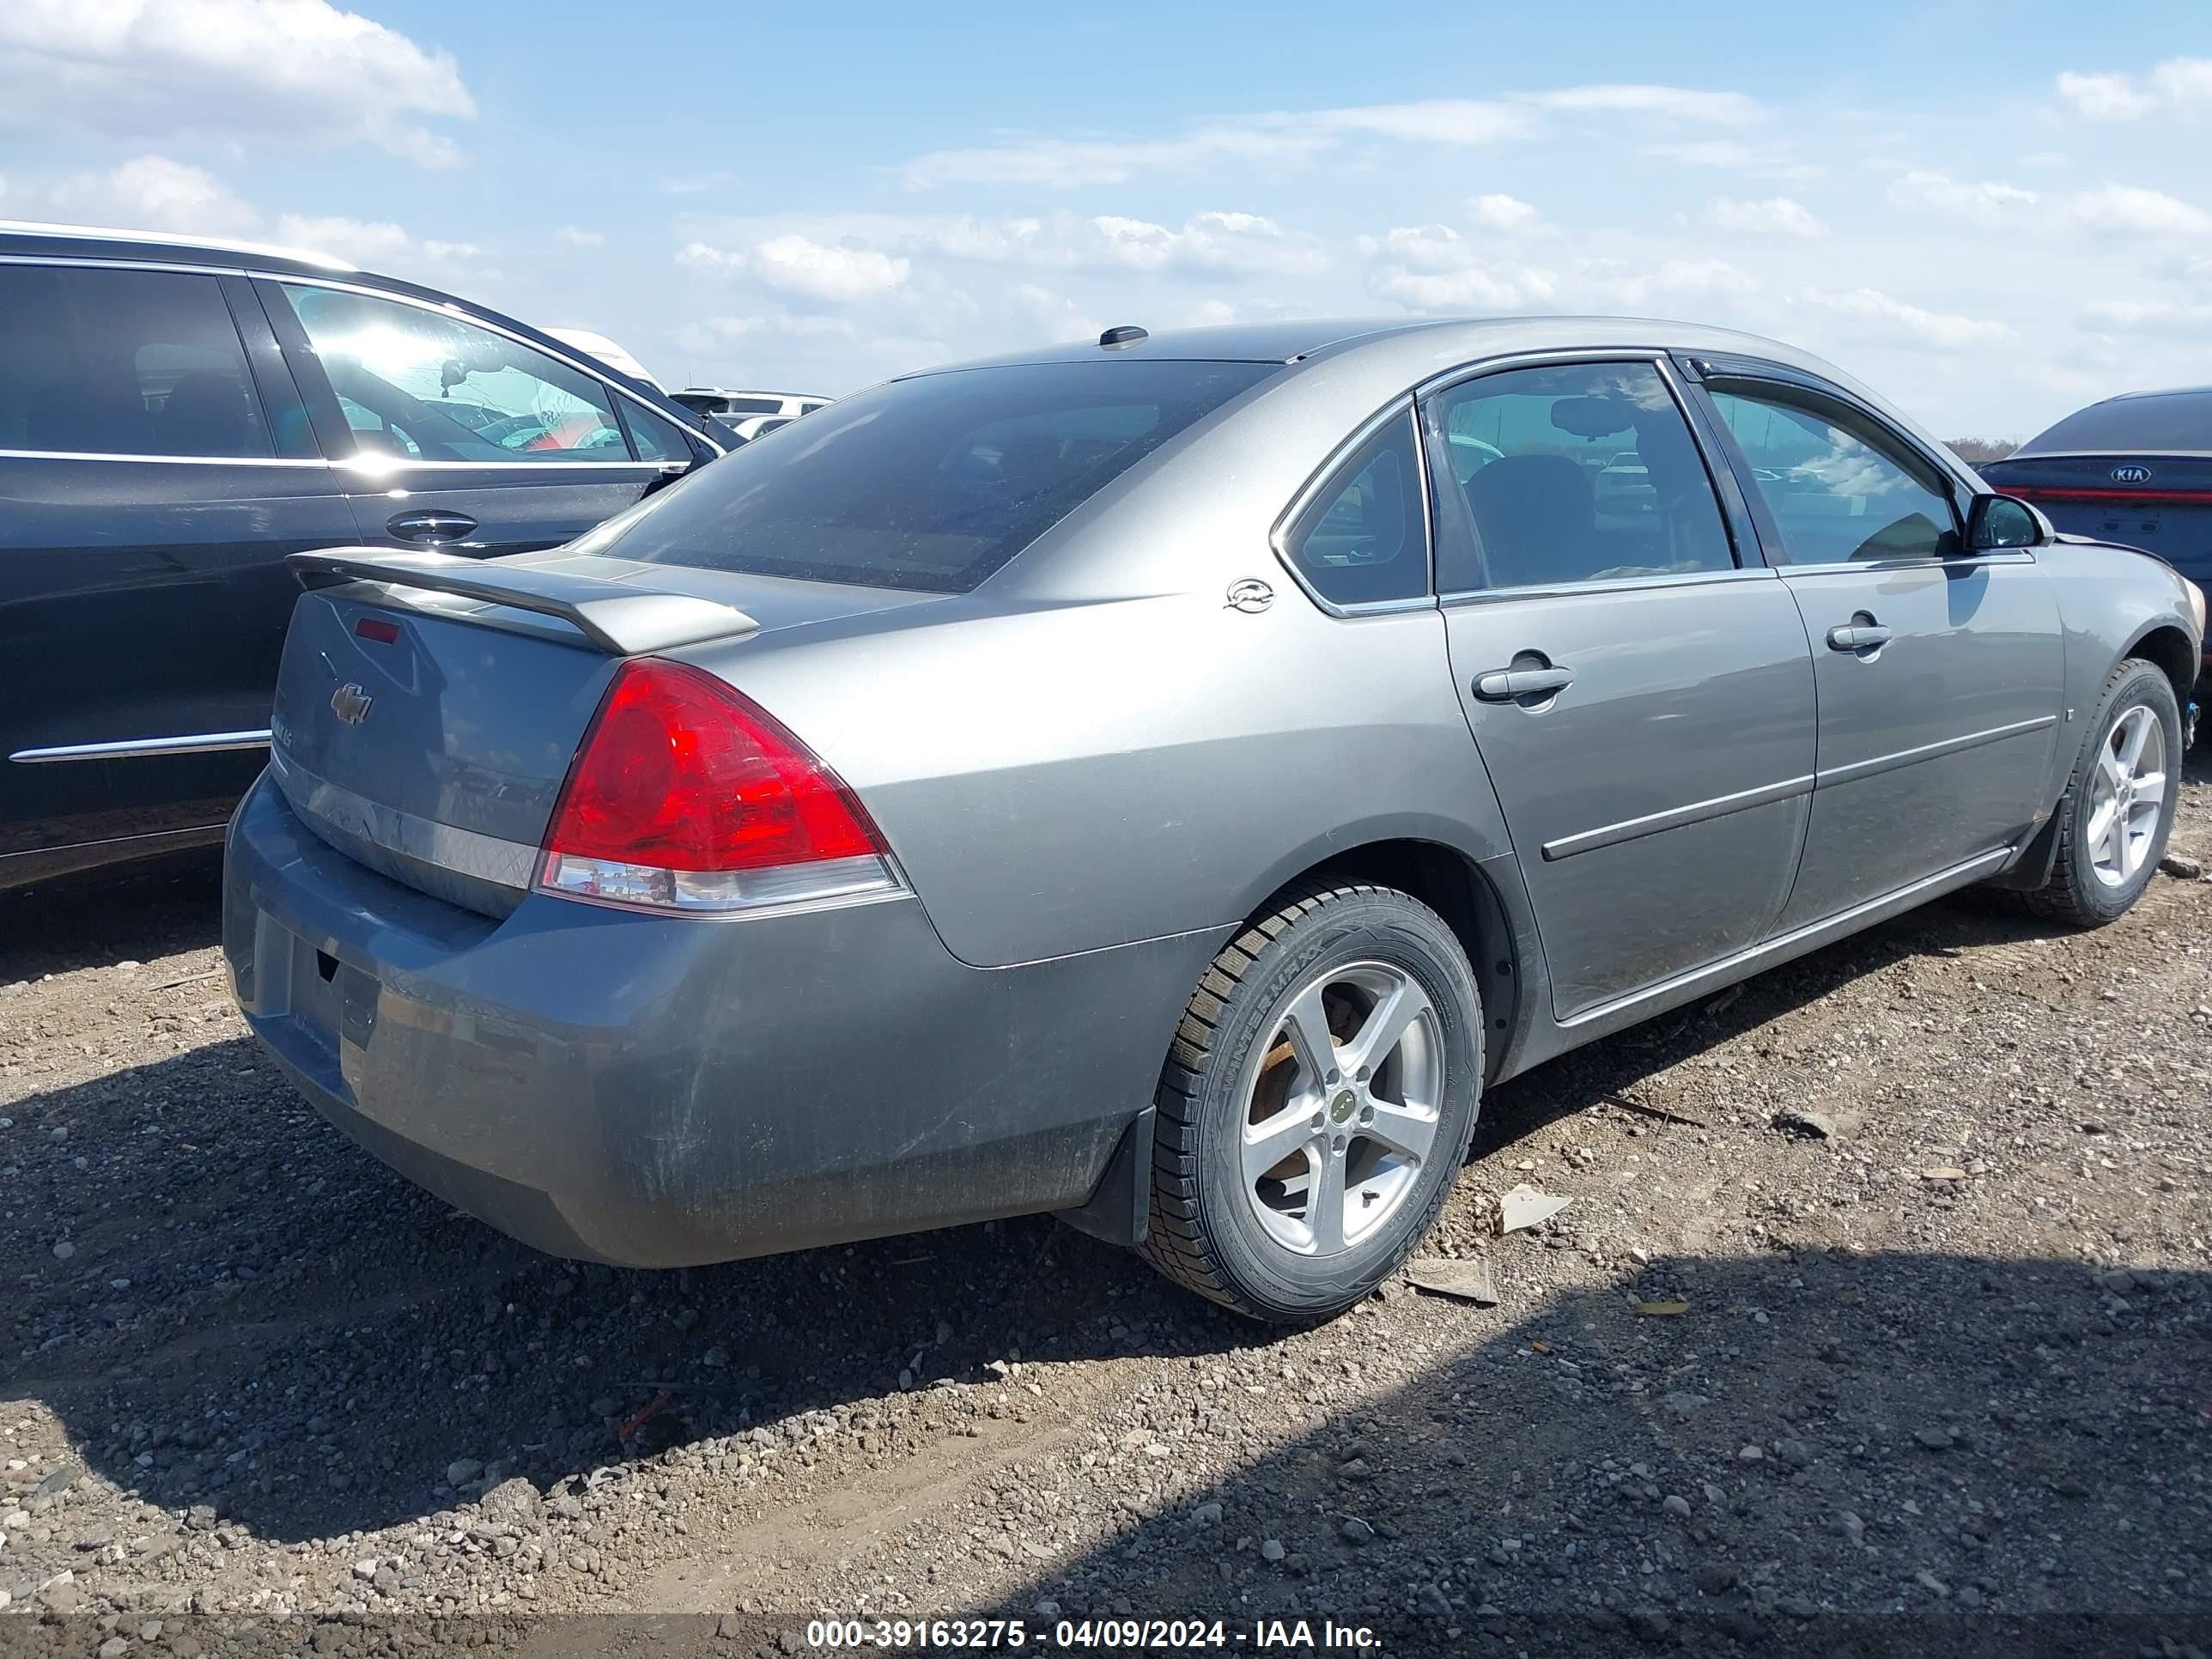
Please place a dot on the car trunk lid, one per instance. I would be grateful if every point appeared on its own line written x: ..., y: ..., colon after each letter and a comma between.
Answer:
x: 429, y: 707
x: 2161, y: 503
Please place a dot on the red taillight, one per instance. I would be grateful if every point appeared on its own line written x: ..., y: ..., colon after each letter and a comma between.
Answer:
x: 686, y: 794
x: 384, y: 633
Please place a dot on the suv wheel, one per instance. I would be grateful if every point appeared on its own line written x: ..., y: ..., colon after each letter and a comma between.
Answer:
x: 1316, y: 1105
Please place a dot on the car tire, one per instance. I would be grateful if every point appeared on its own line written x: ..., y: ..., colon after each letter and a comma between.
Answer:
x: 1305, y: 1240
x: 2091, y: 881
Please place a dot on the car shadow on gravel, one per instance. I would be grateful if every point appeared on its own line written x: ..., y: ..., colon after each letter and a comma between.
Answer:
x: 102, y: 917
x: 252, y: 1317
x: 1807, y: 1440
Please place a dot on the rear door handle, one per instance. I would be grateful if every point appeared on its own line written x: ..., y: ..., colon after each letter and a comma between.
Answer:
x: 430, y: 526
x: 1857, y: 636
x: 1511, y: 684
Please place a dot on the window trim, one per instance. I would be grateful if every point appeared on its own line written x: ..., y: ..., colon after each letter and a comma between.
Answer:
x: 248, y: 359
x: 456, y: 308
x: 1753, y: 372
x: 460, y: 312
x: 1333, y: 472
x: 1745, y: 545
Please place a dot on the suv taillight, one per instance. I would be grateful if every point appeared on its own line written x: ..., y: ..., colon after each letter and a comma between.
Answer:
x: 688, y: 796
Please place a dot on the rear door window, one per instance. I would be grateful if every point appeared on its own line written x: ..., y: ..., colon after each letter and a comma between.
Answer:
x: 1576, y: 473
x: 97, y: 361
x: 423, y: 385
x: 932, y: 483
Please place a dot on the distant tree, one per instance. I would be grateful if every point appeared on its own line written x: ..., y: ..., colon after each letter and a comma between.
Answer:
x: 1975, y: 451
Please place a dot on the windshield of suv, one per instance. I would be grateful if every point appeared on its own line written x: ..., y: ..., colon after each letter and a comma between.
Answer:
x: 932, y: 483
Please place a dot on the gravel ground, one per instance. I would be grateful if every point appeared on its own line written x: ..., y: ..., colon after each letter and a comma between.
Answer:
x: 1880, y: 1313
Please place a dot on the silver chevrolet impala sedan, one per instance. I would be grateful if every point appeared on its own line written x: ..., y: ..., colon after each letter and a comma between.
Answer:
x: 1163, y: 781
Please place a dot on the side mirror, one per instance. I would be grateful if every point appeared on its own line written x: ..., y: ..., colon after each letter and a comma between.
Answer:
x: 1996, y: 522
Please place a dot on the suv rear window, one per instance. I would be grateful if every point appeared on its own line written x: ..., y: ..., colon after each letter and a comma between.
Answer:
x: 2163, y: 420
x: 932, y: 483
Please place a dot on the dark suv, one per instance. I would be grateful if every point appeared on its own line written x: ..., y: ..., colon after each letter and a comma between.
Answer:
x: 175, y: 417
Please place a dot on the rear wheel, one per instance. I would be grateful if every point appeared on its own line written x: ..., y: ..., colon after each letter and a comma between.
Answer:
x: 1316, y: 1105
x: 2118, y: 804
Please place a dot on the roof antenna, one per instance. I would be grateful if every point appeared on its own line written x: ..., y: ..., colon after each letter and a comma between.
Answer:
x: 1125, y: 334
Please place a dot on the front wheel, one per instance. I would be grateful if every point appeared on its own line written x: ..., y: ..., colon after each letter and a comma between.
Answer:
x: 2119, y: 802
x: 1316, y: 1105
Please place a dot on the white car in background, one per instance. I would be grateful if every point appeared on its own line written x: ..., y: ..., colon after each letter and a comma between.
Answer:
x: 749, y: 413
x: 608, y: 352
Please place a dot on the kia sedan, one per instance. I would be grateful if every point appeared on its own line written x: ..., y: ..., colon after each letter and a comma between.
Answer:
x: 1163, y: 781
x: 2136, y: 469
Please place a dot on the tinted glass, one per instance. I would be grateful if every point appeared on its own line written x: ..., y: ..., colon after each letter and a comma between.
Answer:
x: 1584, y: 472
x: 419, y: 385
x: 932, y: 483
x: 655, y: 437
x: 1839, y: 490
x: 123, y: 363
x: 2160, y: 420
x: 1365, y: 539
x: 752, y: 405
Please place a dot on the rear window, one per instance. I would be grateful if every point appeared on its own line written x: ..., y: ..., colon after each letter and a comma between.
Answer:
x: 2165, y: 420
x: 930, y: 483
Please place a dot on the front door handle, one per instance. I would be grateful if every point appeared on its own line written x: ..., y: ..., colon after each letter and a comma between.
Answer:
x: 1511, y: 684
x: 430, y: 526
x: 1858, y: 636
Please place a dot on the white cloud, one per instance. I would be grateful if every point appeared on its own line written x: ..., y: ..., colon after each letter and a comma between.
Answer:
x: 1730, y: 109
x: 380, y: 244
x: 1434, y: 268
x: 574, y: 236
x: 1777, y: 216
x: 840, y: 272
x: 1875, y: 315
x: 1054, y: 316
x: 290, y: 69
x: 1294, y: 135
x: 798, y: 265
x: 2133, y: 210
x: 1438, y: 121
x: 1984, y: 203
x: 363, y: 242
x: 2178, y: 83
x: 1608, y: 284
x: 2106, y: 97
x: 1223, y: 243
x: 697, y: 184
x: 1507, y: 214
x: 2162, y: 318
x: 148, y: 192
x: 1062, y: 163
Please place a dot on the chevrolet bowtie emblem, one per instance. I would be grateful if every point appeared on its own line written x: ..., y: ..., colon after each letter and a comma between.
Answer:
x: 350, y: 704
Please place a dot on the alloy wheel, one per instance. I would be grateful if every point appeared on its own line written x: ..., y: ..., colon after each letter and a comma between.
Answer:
x: 2127, y: 796
x: 1341, y: 1107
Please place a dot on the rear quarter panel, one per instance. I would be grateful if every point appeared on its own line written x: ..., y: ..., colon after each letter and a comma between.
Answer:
x: 1065, y: 776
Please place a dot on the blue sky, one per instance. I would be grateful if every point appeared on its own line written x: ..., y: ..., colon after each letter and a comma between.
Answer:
x: 1993, y: 213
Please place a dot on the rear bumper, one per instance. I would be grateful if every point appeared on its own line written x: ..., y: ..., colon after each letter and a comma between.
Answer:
x: 668, y: 1092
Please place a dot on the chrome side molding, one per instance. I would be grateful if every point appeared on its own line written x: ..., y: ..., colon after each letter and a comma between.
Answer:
x: 195, y: 743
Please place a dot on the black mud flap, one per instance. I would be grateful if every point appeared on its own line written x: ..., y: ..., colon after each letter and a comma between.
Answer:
x: 1119, y: 1208
x: 2031, y: 870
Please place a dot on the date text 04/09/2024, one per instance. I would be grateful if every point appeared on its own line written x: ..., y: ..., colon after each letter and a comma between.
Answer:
x: 1082, y: 1635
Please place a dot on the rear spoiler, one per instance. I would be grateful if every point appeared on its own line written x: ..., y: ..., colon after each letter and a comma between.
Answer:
x: 614, y: 616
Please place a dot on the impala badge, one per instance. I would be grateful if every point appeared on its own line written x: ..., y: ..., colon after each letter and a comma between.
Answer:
x: 350, y: 704
x: 1251, y: 596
